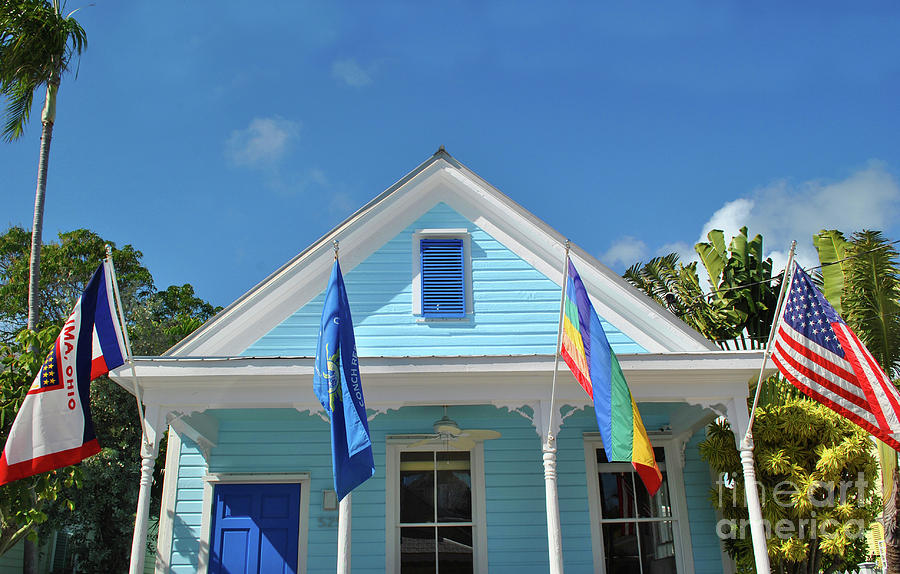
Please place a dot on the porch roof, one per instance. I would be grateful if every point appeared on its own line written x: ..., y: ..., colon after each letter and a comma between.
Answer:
x: 200, y: 383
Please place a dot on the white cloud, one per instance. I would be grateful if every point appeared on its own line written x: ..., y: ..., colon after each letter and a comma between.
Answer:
x: 625, y: 251
x: 351, y: 73
x: 684, y: 250
x: 263, y: 143
x: 785, y: 211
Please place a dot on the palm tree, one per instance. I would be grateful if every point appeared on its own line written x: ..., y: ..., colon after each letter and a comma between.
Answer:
x: 861, y: 279
x: 738, y: 311
x: 676, y: 287
x: 37, y: 45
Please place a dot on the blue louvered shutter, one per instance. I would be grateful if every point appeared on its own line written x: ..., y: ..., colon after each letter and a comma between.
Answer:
x: 443, y: 278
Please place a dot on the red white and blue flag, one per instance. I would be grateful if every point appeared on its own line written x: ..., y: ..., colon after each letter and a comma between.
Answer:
x: 817, y: 352
x: 53, y: 428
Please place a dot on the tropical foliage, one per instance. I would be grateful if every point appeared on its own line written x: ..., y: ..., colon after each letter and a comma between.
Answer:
x: 816, y: 472
x: 105, y: 494
x: 861, y: 279
x: 738, y: 309
x: 24, y: 503
x: 796, y: 439
x: 676, y: 287
x: 38, y: 43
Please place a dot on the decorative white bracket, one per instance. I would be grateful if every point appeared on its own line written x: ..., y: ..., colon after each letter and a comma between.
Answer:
x: 540, y: 415
x: 320, y: 412
x: 200, y: 427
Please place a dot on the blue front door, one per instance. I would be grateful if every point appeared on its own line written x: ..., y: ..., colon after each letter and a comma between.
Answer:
x: 255, y: 529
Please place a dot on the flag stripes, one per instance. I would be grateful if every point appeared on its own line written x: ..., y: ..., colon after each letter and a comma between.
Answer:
x: 820, y: 355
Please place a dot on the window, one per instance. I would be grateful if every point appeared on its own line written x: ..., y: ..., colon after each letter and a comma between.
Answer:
x: 435, y: 518
x: 633, y: 532
x: 442, y: 274
x: 435, y: 512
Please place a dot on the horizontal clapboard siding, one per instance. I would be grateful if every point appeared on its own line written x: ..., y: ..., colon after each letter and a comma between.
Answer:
x: 188, y: 509
x: 697, y: 482
x: 515, y: 307
x: 285, y: 441
x: 11, y: 562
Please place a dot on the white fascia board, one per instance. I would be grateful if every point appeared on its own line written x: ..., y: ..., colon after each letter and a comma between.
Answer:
x: 196, y: 384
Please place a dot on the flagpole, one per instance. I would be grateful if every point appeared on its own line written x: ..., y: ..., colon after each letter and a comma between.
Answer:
x: 149, y: 446
x: 345, y: 517
x: 130, y: 358
x: 344, y: 531
x: 754, y: 508
x: 788, y: 274
x: 554, y: 535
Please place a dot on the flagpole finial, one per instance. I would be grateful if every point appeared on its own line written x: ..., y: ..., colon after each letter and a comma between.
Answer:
x: 109, y: 251
x: 335, y: 244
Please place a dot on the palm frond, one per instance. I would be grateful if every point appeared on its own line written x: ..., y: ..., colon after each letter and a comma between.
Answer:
x: 871, y: 297
x: 17, y: 111
x: 37, y: 46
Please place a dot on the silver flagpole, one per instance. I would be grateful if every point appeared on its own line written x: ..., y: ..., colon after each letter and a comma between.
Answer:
x: 554, y: 535
x: 149, y: 446
x: 137, y: 389
x: 754, y: 508
x: 345, y: 517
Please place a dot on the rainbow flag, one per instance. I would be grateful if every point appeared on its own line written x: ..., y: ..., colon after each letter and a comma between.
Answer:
x: 586, y: 350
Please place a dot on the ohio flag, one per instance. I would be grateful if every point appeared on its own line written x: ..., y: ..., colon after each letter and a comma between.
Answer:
x: 53, y: 428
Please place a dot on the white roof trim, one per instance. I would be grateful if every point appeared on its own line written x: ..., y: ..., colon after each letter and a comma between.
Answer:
x: 440, y: 178
x: 200, y: 383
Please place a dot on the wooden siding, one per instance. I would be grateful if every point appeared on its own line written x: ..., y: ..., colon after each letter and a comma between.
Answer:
x: 516, y: 308
x: 188, y: 510
x: 11, y: 562
x: 697, y: 482
x: 285, y: 441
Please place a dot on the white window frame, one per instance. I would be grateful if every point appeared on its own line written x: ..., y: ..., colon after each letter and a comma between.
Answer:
x: 684, y: 558
x: 398, y: 444
x: 417, y: 238
x: 212, y: 479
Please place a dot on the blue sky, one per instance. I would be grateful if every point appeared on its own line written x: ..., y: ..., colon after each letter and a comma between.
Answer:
x: 221, y: 139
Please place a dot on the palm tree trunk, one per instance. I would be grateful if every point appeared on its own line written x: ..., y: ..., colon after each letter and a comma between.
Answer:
x: 892, y: 553
x: 48, y: 117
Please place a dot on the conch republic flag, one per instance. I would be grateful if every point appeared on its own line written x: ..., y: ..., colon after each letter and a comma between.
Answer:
x: 53, y: 428
x: 338, y: 386
x: 586, y: 350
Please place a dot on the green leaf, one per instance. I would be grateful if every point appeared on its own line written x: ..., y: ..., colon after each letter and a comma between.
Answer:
x: 713, y: 256
x: 831, y: 246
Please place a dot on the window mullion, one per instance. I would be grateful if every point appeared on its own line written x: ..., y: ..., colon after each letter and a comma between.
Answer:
x: 437, y: 562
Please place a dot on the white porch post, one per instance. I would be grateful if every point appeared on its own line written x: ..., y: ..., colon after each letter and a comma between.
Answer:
x: 739, y: 417
x: 554, y: 537
x: 547, y: 423
x: 149, y: 449
x: 344, y: 532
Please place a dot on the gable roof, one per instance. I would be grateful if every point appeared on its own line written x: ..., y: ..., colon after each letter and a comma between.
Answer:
x: 441, y: 178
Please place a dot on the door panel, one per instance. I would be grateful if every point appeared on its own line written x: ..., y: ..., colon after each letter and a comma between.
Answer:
x: 255, y: 529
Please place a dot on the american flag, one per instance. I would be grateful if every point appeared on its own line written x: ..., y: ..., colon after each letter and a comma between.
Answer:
x: 817, y: 352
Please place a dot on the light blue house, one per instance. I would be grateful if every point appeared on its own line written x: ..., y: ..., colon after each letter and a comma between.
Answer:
x: 455, y: 295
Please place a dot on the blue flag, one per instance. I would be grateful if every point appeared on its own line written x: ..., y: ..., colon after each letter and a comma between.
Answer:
x: 339, y: 388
